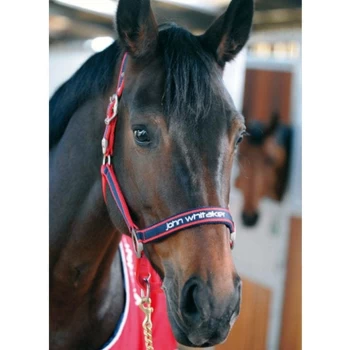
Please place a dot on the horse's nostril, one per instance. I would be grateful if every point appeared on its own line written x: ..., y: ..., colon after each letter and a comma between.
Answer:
x: 250, y: 219
x: 189, y: 303
x: 237, y: 294
x: 193, y: 308
x: 238, y: 282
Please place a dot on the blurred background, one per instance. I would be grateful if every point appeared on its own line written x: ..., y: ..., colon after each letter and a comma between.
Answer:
x: 265, y: 83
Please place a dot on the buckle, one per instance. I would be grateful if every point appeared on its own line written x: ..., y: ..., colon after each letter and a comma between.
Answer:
x: 113, y: 99
x: 138, y: 246
x: 104, y: 144
x: 233, y: 238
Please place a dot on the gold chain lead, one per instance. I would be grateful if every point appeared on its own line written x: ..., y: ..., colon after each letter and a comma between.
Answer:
x: 145, y: 306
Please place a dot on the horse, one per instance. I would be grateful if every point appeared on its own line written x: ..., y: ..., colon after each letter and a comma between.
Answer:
x: 264, y: 159
x: 176, y: 133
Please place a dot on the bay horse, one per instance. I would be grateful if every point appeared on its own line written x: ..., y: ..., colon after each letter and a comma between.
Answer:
x: 174, y: 144
x: 264, y: 159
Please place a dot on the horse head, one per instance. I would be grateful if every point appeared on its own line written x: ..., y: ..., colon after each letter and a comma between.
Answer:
x: 177, y: 133
x: 264, y: 159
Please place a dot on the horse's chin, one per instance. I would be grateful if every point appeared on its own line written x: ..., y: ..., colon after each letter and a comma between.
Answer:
x: 205, y: 334
x: 197, y: 340
x: 202, y: 338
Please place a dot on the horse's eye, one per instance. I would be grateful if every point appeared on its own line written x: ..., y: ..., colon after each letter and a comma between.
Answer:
x: 240, y: 138
x: 142, y: 137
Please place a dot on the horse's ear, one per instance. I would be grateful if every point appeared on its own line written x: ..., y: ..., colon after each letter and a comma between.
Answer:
x: 137, y: 28
x: 229, y: 33
x: 273, y: 124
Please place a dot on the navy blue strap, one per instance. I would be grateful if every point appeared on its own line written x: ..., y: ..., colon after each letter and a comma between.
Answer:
x: 191, y: 218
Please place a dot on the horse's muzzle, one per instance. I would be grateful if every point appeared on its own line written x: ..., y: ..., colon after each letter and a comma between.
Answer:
x: 204, y: 319
x: 250, y: 219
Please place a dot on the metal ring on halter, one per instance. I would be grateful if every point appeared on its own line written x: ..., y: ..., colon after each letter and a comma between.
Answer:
x: 233, y: 235
x: 114, y: 99
x: 108, y: 120
x: 233, y: 239
x: 108, y: 158
x: 138, y: 246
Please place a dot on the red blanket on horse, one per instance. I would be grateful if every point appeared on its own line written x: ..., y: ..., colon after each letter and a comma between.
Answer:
x: 129, y: 331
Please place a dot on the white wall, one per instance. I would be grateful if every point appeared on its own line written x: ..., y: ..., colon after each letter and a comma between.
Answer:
x: 234, y: 78
x: 65, y: 59
x: 260, y: 253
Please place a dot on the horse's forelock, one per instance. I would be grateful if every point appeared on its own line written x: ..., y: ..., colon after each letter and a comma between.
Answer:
x: 190, y: 71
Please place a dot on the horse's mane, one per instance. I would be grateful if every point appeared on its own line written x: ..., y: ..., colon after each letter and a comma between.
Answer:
x: 93, y: 78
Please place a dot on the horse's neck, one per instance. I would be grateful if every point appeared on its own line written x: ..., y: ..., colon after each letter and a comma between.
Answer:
x: 77, y: 208
x: 83, y: 241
